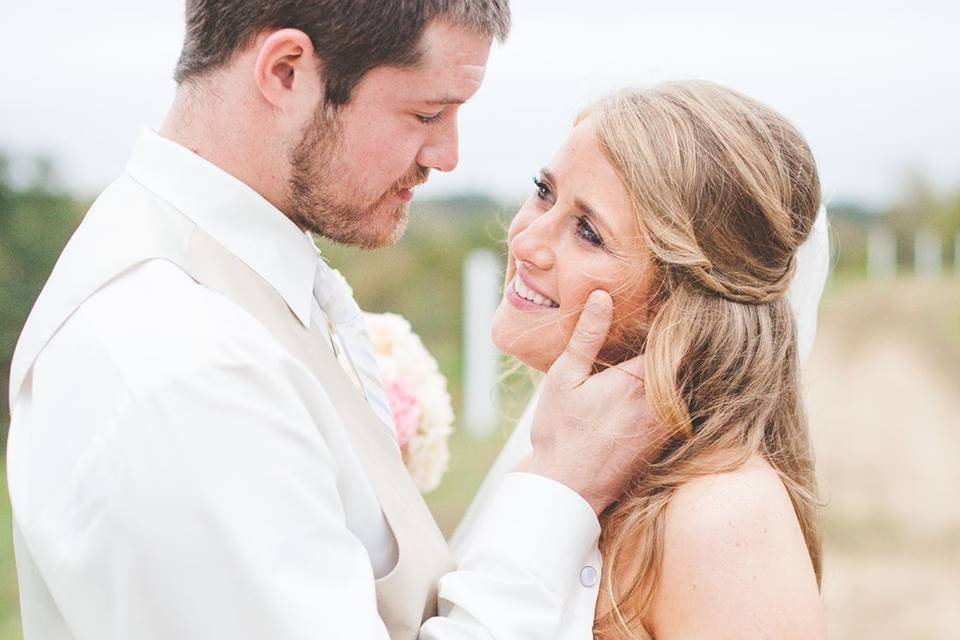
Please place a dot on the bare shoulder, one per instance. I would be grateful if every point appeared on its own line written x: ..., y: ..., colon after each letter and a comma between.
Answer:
x: 735, y: 562
x: 726, y: 507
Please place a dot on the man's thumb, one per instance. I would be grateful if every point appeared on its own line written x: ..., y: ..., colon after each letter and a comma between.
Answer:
x: 588, y: 336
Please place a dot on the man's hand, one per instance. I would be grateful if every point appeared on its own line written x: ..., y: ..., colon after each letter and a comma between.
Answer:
x: 592, y: 432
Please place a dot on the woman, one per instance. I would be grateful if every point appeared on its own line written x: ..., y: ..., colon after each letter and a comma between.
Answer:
x: 687, y: 203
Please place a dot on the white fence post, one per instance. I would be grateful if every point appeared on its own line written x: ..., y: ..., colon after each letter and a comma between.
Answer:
x: 881, y: 253
x: 956, y: 255
x: 481, y: 286
x: 928, y: 254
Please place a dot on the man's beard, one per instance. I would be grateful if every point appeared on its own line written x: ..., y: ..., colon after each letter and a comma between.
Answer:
x: 312, y: 203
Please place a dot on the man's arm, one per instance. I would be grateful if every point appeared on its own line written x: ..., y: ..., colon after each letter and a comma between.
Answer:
x: 205, y: 504
x: 590, y: 434
x: 208, y: 507
x: 524, y: 558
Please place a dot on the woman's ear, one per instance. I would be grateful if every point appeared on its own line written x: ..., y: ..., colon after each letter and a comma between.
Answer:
x: 287, y: 73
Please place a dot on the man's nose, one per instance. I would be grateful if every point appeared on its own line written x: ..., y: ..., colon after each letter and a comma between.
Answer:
x: 440, y: 151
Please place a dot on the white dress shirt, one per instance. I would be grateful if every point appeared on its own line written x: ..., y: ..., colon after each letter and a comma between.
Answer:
x: 166, y: 482
x: 805, y: 291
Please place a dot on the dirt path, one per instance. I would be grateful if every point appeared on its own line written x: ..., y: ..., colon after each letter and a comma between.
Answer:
x: 883, y: 392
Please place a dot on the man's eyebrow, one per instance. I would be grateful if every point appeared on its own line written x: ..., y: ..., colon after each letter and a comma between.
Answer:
x: 444, y: 100
x: 579, y: 203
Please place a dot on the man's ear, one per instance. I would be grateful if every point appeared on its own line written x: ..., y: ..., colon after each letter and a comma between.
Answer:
x: 286, y: 71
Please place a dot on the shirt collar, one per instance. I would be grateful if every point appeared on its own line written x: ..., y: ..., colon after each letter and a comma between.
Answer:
x: 235, y: 215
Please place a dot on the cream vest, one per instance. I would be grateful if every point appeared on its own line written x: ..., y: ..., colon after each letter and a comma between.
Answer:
x: 408, y: 594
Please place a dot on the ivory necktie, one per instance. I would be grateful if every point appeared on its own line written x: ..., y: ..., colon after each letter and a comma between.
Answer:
x: 348, y: 325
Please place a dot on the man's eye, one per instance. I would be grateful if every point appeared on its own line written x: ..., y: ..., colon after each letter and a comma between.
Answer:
x: 585, y: 231
x: 430, y: 119
x: 543, y: 191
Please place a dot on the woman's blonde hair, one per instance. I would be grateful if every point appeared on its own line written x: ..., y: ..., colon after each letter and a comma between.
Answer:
x: 725, y: 191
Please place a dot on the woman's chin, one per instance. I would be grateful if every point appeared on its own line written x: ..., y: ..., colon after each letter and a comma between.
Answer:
x: 528, y: 356
x: 526, y: 345
x: 537, y: 364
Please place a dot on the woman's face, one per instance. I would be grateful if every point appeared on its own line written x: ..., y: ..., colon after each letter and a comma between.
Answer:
x: 576, y: 233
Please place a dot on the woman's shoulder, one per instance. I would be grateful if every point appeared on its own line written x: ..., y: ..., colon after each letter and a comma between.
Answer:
x: 714, y: 507
x: 735, y: 562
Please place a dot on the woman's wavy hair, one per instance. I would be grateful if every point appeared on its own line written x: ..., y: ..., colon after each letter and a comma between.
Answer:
x: 725, y: 191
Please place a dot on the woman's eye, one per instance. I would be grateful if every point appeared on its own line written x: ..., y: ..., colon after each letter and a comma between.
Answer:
x: 430, y: 119
x: 585, y: 231
x: 543, y: 191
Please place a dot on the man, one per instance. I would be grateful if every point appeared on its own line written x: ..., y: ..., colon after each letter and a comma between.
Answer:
x: 199, y: 446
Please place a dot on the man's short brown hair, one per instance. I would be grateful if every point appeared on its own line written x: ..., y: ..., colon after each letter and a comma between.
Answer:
x: 350, y: 37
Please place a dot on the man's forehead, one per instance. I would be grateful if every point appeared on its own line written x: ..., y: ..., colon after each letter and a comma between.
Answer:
x: 456, y: 87
x: 473, y: 72
x: 444, y: 40
x: 439, y: 90
x: 454, y: 51
x: 454, y: 84
x: 450, y: 71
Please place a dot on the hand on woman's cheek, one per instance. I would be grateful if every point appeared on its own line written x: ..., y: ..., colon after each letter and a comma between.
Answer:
x: 574, y: 235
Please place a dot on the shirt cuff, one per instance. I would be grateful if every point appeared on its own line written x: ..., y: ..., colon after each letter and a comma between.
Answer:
x: 540, y: 525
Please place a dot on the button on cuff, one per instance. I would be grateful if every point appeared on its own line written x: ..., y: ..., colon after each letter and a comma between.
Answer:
x: 589, y: 577
x: 539, y: 525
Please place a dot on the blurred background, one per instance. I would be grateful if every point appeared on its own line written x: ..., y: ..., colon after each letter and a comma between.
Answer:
x: 874, y: 87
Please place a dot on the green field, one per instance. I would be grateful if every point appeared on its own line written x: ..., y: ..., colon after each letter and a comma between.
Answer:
x: 9, y: 607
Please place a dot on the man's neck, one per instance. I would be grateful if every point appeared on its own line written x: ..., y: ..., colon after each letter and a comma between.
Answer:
x: 208, y: 124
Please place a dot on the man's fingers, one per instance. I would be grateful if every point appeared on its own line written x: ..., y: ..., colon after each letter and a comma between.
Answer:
x: 635, y: 368
x: 625, y: 380
x: 576, y: 362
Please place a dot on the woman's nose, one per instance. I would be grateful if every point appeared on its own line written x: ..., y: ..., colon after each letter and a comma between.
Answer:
x: 534, y: 243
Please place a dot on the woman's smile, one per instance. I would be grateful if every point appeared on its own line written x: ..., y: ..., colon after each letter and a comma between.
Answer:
x: 527, y: 298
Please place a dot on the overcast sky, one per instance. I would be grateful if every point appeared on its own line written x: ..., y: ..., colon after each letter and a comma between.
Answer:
x: 874, y: 85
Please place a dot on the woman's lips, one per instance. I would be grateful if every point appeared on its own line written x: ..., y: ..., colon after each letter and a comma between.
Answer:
x: 520, y: 302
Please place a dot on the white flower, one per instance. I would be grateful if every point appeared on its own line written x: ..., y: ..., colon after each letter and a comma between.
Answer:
x: 402, y: 357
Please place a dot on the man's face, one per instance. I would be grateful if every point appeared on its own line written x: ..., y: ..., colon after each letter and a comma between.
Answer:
x: 353, y: 172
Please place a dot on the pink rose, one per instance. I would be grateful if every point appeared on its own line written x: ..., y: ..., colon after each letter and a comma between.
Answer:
x: 405, y: 408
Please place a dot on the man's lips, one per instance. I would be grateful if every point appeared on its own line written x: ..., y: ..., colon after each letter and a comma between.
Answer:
x: 405, y: 193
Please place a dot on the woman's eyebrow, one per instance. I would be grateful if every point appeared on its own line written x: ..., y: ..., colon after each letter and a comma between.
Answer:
x: 580, y: 204
x: 593, y: 215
